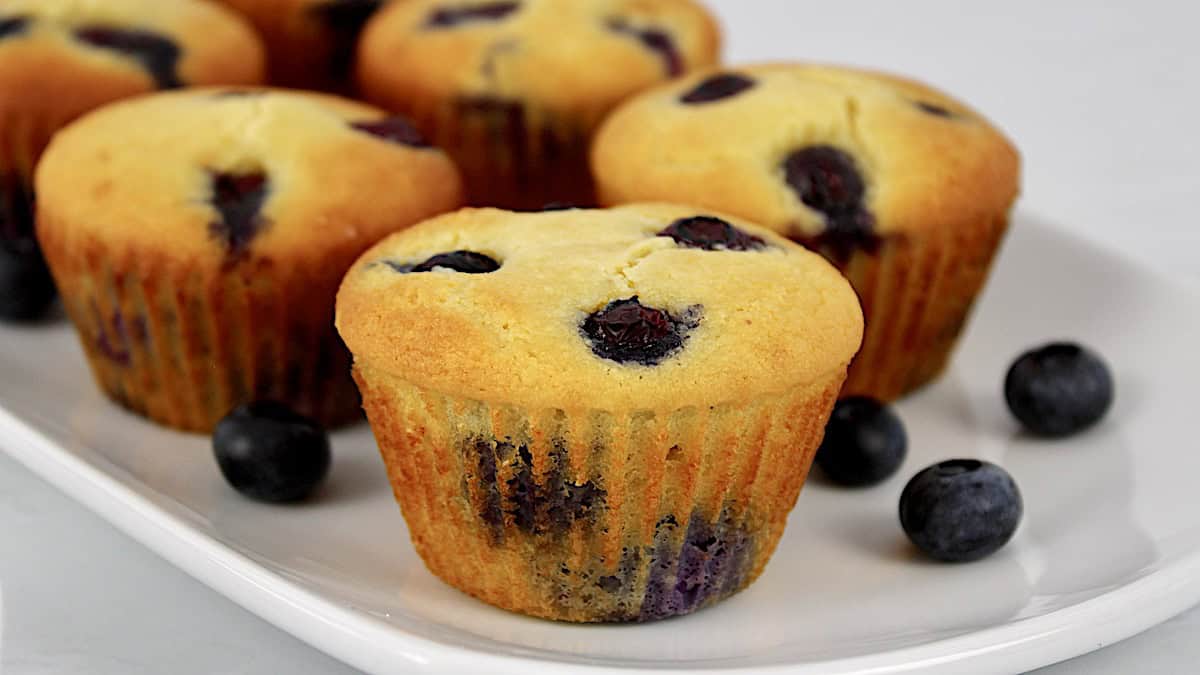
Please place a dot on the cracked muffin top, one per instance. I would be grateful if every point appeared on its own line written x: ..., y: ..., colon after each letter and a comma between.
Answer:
x: 820, y: 154
x: 637, y: 308
x: 222, y: 175
x: 111, y: 48
x: 561, y: 55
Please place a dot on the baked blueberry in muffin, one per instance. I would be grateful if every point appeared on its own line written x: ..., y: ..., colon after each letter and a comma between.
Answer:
x: 597, y: 415
x: 905, y: 189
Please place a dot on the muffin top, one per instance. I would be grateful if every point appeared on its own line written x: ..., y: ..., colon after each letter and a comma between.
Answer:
x: 644, y: 307
x: 107, y: 47
x: 222, y: 174
x: 560, y: 55
x: 816, y: 153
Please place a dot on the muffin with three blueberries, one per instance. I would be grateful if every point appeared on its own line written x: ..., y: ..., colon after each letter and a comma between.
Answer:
x: 514, y: 89
x: 905, y: 189
x: 311, y: 44
x: 594, y: 415
x: 198, y: 239
x: 61, y: 58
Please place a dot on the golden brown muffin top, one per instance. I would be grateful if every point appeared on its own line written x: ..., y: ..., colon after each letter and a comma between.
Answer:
x: 219, y: 175
x: 80, y: 49
x: 558, y: 55
x: 809, y: 151
x: 644, y: 307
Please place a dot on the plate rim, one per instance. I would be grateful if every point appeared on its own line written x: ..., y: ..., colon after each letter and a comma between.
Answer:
x: 367, y: 643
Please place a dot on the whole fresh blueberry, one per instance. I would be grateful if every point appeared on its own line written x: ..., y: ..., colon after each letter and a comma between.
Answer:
x: 961, y: 510
x: 271, y: 453
x: 864, y: 444
x: 26, y: 288
x: 1059, y: 389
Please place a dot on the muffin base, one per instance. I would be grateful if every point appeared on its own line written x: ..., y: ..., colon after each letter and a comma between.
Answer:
x: 589, y: 515
x: 917, y: 292
x: 183, y: 347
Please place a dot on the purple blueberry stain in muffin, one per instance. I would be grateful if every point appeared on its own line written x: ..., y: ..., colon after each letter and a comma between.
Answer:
x: 158, y: 54
x: 550, y: 505
x: 13, y: 25
x: 628, y: 332
x: 827, y: 180
x: 393, y: 129
x: 717, y: 88
x: 344, y: 21
x: 238, y: 199
x: 450, y: 17
x: 656, y: 40
x: 712, y: 562
x: 463, y: 262
x: 112, y: 337
x: 711, y: 234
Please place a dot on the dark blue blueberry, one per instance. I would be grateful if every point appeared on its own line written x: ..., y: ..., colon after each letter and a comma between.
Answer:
x: 864, y: 444
x: 658, y: 41
x: 961, y: 510
x: 394, y: 129
x: 26, y: 288
x: 718, y: 87
x: 13, y: 25
x: 270, y: 453
x: 159, y: 55
x: 711, y: 234
x: 827, y: 180
x: 626, y: 331
x: 463, y: 262
x: 560, y: 206
x: 934, y: 109
x: 711, y: 564
x: 344, y: 20
x: 448, y: 17
x: 1059, y: 389
x: 239, y: 199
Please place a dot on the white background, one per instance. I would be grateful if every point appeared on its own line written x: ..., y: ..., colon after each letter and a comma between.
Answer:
x: 1103, y: 102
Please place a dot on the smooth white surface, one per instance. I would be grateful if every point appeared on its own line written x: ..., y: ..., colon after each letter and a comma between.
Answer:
x: 1097, y: 99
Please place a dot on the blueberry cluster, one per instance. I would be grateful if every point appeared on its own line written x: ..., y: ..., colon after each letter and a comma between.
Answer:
x: 964, y: 509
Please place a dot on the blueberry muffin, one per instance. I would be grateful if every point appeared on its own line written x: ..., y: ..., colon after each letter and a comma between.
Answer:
x: 597, y: 415
x: 905, y: 189
x: 310, y: 43
x: 514, y: 89
x: 198, y: 239
x: 62, y: 58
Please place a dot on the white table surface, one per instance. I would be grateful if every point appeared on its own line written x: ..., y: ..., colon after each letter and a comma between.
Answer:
x: 1100, y: 101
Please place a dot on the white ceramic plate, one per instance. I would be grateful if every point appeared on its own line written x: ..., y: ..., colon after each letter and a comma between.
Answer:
x: 1110, y: 544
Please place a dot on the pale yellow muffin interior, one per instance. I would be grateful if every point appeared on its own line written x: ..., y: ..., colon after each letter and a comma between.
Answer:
x: 766, y: 320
